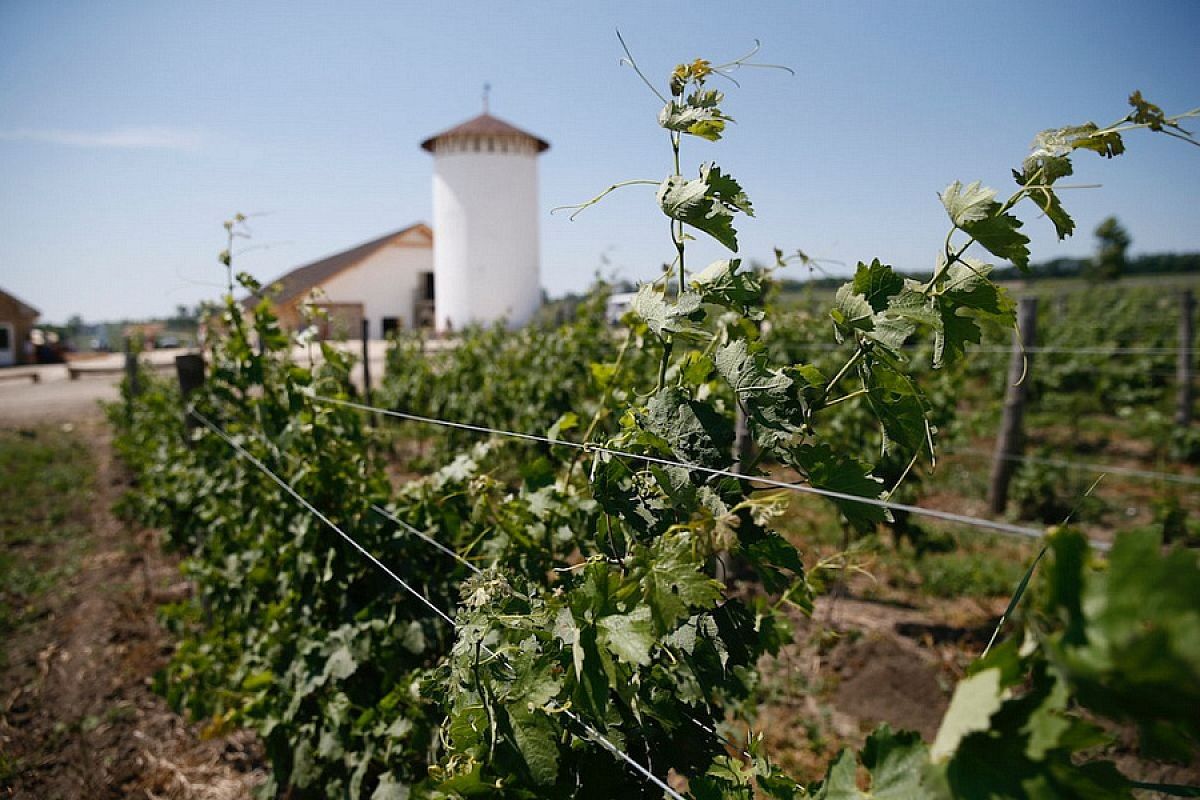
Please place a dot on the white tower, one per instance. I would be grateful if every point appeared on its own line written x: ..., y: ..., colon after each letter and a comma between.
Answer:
x: 485, y: 223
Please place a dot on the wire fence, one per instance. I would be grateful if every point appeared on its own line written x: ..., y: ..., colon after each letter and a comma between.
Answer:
x: 920, y: 511
x: 1036, y: 349
x: 1098, y: 469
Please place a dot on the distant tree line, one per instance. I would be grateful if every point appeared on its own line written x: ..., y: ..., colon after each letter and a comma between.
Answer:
x: 1149, y: 264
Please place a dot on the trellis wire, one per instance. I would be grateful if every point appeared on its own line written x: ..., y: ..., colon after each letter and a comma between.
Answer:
x: 287, y: 487
x: 596, y: 735
x: 383, y: 512
x: 1079, y: 465
x: 933, y: 513
x: 1047, y: 349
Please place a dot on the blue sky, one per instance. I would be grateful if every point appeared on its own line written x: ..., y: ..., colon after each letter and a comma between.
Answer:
x: 128, y: 131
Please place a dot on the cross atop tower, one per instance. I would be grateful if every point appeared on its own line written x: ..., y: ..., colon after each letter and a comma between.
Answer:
x: 487, y: 90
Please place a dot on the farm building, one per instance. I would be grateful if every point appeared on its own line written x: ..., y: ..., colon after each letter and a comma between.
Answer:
x: 16, y: 324
x: 479, y: 263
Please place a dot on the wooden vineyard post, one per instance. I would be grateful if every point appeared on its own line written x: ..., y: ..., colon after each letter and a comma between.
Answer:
x: 189, y: 369
x: 1010, y: 439
x: 131, y: 378
x: 131, y: 368
x: 1185, y: 360
x: 366, y: 361
x: 743, y: 442
x: 730, y: 565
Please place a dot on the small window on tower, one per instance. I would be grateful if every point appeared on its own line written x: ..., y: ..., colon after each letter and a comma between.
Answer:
x: 390, y: 325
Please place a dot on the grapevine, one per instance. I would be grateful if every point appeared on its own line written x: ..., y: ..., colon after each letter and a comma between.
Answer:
x: 595, y: 648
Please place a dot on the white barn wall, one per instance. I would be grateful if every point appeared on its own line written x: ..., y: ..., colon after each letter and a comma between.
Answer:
x: 385, y: 283
x: 485, y: 222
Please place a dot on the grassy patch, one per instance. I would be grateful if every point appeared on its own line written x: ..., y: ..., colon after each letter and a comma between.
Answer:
x: 46, y: 478
x: 969, y: 574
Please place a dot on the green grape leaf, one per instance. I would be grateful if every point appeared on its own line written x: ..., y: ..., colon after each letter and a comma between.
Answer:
x: 1148, y: 114
x: 896, y: 763
x: 1047, y: 200
x: 898, y: 404
x: 877, y: 283
x: 907, y: 312
x: 674, y: 584
x: 664, y: 317
x: 467, y: 784
x: 828, y: 470
x: 1130, y: 643
x: 841, y: 780
x: 964, y: 294
x: 956, y: 332
x: 999, y: 234
x: 773, y: 408
x: 602, y: 373
x: 720, y: 283
x: 774, y: 558
x: 341, y: 663
x: 706, y: 204
x: 975, y: 700
x: 1059, y: 142
x: 971, y: 203
x: 697, y: 115
x: 629, y: 637
x: 536, y: 737
x: 851, y: 311
x: 746, y: 372
x: 726, y: 779
x: 693, y: 430
x: 1043, y: 171
x: 567, y: 422
x: 974, y: 209
x: 967, y: 284
x: 696, y: 368
x: 590, y: 674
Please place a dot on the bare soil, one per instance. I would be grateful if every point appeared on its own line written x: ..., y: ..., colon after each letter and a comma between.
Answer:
x: 78, y: 716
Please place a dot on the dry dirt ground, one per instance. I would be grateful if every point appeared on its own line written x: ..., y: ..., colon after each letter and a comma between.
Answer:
x: 78, y: 717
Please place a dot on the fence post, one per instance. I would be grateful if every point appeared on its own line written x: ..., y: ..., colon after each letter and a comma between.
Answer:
x: 132, y: 387
x: 1010, y: 439
x: 743, y: 442
x: 366, y: 362
x: 189, y: 369
x: 131, y: 368
x: 1185, y: 359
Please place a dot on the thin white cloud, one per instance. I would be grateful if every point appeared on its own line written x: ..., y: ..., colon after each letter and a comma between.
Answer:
x: 127, y: 138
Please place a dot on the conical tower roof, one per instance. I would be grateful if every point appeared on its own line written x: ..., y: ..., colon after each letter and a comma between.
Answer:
x: 484, y: 125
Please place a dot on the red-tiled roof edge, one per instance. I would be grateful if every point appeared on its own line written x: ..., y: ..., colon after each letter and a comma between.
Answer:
x: 483, y: 125
x: 305, y: 277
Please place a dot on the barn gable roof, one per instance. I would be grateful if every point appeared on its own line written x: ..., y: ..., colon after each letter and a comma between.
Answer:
x: 484, y: 125
x: 302, y: 280
x: 23, y: 308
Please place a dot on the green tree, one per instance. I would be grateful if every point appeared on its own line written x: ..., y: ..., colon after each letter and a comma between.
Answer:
x: 1112, y: 243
